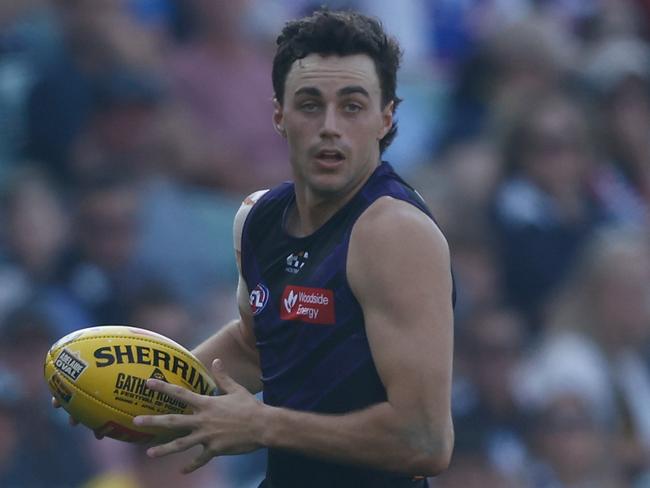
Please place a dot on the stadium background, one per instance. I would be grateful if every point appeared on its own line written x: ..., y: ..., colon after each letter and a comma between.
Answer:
x: 130, y: 130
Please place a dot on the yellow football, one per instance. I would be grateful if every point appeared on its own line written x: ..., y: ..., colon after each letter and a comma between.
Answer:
x: 99, y: 376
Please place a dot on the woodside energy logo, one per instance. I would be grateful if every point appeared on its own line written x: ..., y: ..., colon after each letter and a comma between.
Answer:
x: 312, y: 305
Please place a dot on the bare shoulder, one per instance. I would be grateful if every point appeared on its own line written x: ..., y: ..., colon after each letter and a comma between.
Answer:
x: 396, y: 247
x: 393, y: 224
x: 242, y: 213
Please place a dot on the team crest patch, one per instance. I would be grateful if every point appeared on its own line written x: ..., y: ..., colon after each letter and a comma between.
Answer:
x: 258, y: 298
x: 296, y: 261
x: 313, y: 305
x: 69, y: 365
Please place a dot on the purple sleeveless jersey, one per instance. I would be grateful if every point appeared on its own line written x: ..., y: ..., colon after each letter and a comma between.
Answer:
x: 309, y: 327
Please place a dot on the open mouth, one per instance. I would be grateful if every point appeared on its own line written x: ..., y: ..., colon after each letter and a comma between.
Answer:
x: 330, y: 155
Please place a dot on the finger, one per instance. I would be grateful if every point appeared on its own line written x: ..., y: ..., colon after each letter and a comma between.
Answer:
x: 200, y: 460
x: 224, y: 382
x: 173, y: 421
x: 178, y: 392
x: 177, y: 445
x: 57, y: 404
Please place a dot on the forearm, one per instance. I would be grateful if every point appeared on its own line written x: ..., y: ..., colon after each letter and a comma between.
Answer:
x: 377, y: 437
x: 239, y: 360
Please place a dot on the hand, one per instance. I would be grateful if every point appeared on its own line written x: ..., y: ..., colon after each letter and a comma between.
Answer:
x: 225, y: 424
x: 71, y: 420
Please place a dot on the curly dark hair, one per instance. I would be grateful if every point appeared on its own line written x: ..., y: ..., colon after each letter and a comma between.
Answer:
x: 340, y: 33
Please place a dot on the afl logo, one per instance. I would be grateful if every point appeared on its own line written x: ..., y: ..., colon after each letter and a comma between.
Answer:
x: 258, y: 298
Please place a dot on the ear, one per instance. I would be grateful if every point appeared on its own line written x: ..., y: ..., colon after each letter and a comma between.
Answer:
x: 278, y: 118
x: 387, y: 119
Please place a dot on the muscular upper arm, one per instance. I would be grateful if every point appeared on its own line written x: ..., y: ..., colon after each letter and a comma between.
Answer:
x: 399, y: 270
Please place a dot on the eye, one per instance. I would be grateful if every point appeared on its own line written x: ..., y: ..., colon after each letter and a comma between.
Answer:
x: 309, y: 106
x: 352, y: 108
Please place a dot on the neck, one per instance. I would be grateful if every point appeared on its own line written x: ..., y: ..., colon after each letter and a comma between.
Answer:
x: 309, y: 214
x: 313, y: 209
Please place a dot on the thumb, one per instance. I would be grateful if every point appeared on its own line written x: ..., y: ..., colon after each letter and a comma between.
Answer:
x: 224, y: 382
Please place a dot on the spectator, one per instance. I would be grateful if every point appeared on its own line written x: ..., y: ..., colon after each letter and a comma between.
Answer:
x: 477, y: 274
x: 618, y: 71
x: 463, y: 180
x: 45, y: 445
x: 572, y: 447
x: 490, y: 349
x: 37, y: 243
x: 29, y: 40
x: 99, y: 38
x: 102, y: 271
x: 120, y: 133
x: 544, y: 208
x: 222, y: 77
x: 37, y: 225
x: 514, y: 62
x: 155, y: 308
x: 597, y: 343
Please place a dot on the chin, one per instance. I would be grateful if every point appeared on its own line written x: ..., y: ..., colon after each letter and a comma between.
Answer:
x: 328, y: 184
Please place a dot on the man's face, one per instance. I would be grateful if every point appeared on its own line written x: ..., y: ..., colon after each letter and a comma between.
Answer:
x: 333, y: 121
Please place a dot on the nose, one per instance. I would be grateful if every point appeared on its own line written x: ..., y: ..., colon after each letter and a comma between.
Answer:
x: 330, y: 128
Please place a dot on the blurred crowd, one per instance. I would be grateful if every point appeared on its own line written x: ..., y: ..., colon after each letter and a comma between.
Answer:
x: 130, y: 130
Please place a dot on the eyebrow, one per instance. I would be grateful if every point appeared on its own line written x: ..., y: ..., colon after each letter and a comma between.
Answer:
x: 349, y: 90
x: 308, y: 90
x: 346, y: 90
